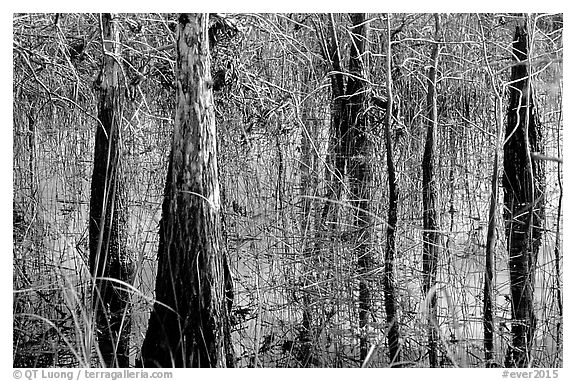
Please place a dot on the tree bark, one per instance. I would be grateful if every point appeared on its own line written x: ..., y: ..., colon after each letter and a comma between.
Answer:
x: 431, y: 236
x: 352, y: 149
x: 109, y: 258
x: 523, y: 183
x: 358, y: 150
x: 189, y: 325
x: 390, y: 301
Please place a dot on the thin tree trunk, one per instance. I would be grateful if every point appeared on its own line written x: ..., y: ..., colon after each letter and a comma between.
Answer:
x: 109, y: 258
x: 523, y: 198
x: 488, y: 319
x: 488, y: 309
x: 557, y: 253
x: 390, y: 301
x: 431, y: 234
x: 189, y: 325
x: 308, y: 185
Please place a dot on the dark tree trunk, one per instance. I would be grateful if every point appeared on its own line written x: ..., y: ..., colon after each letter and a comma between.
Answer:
x: 431, y: 234
x: 523, y: 183
x: 339, y: 125
x: 390, y: 302
x: 109, y: 258
x: 558, y: 255
x: 189, y: 325
x: 357, y: 148
x: 352, y: 149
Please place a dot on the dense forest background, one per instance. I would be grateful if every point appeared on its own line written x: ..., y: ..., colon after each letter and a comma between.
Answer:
x: 305, y: 221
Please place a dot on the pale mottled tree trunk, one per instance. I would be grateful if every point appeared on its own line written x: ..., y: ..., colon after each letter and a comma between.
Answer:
x: 189, y: 325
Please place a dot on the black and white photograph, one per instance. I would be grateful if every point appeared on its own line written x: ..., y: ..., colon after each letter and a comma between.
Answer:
x: 287, y: 190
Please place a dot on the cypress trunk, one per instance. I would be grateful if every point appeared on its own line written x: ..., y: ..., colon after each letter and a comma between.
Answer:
x: 523, y: 183
x: 189, y: 324
x: 431, y: 236
x: 352, y: 150
x: 109, y: 258
x: 359, y: 170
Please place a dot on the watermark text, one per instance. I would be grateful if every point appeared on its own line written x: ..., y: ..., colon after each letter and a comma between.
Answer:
x: 90, y: 374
